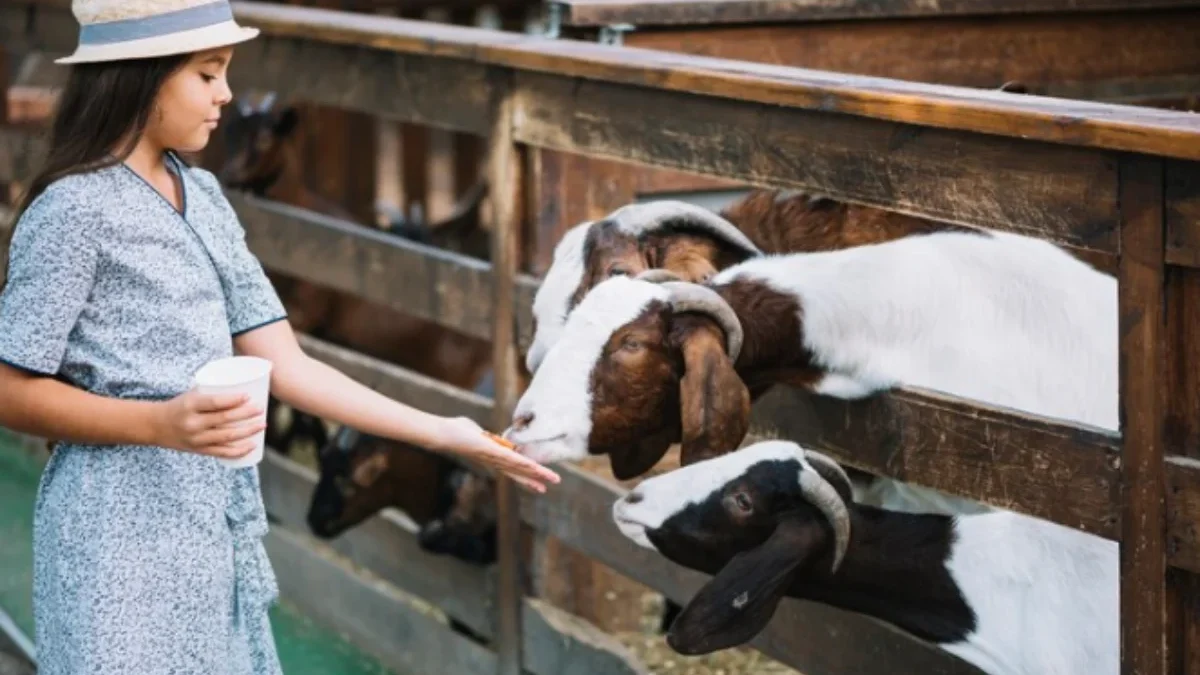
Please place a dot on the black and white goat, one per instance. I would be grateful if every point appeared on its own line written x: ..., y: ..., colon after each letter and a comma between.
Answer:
x: 999, y: 318
x: 1011, y: 594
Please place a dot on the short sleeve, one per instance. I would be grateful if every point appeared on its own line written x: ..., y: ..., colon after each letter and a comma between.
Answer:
x: 250, y: 299
x: 51, y: 270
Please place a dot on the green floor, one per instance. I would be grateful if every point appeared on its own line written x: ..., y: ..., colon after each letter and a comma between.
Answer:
x: 304, y: 647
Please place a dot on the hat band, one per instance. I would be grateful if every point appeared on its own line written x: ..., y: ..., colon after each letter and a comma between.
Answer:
x: 157, y: 25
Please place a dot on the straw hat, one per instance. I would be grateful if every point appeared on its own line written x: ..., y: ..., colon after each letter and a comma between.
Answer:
x: 113, y: 30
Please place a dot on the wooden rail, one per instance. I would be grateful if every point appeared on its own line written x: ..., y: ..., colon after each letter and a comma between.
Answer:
x: 1102, y: 178
x: 709, y: 12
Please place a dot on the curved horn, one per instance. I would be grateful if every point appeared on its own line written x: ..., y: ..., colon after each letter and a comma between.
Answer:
x: 821, y: 494
x: 638, y: 219
x: 688, y: 297
x: 658, y: 275
x: 831, y: 471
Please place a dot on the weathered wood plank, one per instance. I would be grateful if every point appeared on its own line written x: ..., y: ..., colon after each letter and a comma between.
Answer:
x: 1144, y: 384
x: 686, y: 12
x: 1063, y: 54
x: 1065, y: 194
x: 369, y: 613
x: 423, y: 89
x: 813, y: 638
x: 1183, y: 214
x: 424, y: 281
x: 1183, y: 512
x: 1070, y: 122
x: 505, y: 186
x: 427, y: 393
x: 386, y: 546
x: 1035, y: 465
x: 1152, y: 131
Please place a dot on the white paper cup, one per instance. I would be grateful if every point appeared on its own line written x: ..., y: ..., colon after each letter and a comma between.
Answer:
x: 243, y: 375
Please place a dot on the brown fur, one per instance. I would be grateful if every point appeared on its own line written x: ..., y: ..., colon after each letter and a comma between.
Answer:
x: 665, y: 378
x: 794, y: 222
x: 374, y: 474
x: 775, y: 221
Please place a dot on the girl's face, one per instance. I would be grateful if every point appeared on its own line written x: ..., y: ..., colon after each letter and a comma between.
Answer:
x: 189, y: 104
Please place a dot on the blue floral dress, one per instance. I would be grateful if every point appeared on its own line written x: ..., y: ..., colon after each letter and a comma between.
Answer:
x: 146, y: 560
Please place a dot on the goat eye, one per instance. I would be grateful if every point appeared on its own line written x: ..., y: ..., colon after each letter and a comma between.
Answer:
x: 617, y: 270
x: 742, y: 502
x: 631, y: 344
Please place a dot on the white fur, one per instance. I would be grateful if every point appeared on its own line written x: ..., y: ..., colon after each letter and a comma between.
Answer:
x: 1004, y: 319
x: 559, y: 397
x: 656, y: 499
x: 567, y: 265
x: 554, y: 293
x: 1046, y: 597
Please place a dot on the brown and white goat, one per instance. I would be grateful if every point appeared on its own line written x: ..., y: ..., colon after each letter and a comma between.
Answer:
x: 1008, y: 593
x: 989, y: 316
x: 264, y: 159
x: 695, y: 243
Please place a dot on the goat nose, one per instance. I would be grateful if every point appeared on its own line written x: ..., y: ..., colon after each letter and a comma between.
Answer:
x: 522, y: 421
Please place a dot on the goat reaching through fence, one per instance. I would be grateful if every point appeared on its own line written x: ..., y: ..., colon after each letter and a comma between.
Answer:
x: 989, y: 316
x: 1009, y: 593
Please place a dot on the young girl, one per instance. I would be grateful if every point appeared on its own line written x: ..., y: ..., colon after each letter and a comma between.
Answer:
x: 128, y: 271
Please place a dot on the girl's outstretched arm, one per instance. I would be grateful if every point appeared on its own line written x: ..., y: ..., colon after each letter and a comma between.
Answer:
x: 316, y: 388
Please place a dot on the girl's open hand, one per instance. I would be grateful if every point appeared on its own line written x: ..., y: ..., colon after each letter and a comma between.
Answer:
x: 209, y: 424
x: 463, y: 435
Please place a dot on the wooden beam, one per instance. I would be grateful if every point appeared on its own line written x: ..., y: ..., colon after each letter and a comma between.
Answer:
x: 368, y: 39
x: 425, y: 281
x: 1096, y: 125
x: 1066, y: 55
x: 1066, y: 473
x: 427, y: 393
x: 385, y: 546
x: 1023, y: 186
x: 701, y: 12
x: 1143, y: 381
x: 505, y: 185
x: 370, y: 614
x: 810, y: 637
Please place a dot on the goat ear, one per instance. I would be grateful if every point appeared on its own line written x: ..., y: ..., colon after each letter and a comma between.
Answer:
x: 285, y: 124
x: 737, y: 603
x: 632, y: 461
x: 714, y: 402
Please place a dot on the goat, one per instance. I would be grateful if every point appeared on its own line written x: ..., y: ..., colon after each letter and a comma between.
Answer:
x: 695, y: 243
x: 1008, y: 593
x: 360, y: 475
x: 641, y: 365
x: 265, y: 160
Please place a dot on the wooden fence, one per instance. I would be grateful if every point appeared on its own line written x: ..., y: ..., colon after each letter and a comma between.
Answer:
x: 1120, y: 184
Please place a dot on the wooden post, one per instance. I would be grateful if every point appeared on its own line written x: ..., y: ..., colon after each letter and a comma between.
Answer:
x: 1183, y: 399
x: 504, y: 178
x: 1143, y: 411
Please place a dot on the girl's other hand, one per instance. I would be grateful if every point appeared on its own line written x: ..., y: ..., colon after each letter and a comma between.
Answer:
x: 209, y: 424
x: 462, y: 435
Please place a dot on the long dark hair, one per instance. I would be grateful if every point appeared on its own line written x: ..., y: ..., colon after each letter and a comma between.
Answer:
x: 101, y: 104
